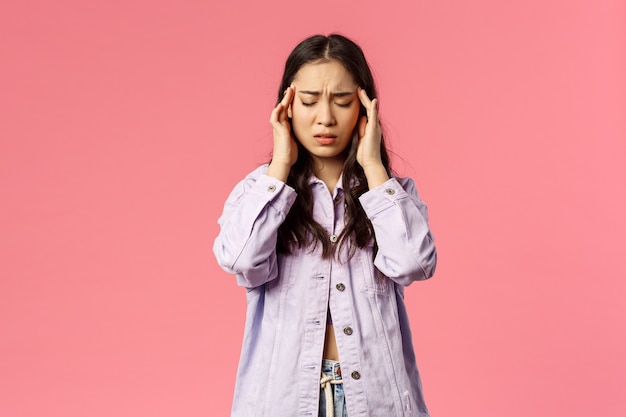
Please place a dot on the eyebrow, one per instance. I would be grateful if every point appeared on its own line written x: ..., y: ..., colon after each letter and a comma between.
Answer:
x: 337, y: 94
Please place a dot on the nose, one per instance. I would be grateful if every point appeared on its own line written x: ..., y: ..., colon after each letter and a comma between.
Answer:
x: 325, y: 115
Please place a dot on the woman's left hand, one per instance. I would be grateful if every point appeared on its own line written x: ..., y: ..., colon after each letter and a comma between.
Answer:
x: 370, y: 138
x: 370, y: 133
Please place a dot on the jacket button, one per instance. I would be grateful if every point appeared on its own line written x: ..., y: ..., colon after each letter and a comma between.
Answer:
x: 271, y: 188
x: 333, y: 238
x: 348, y: 330
x: 390, y: 191
x: 340, y: 287
x: 355, y: 375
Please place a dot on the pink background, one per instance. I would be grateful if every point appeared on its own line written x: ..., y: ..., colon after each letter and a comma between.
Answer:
x: 124, y: 125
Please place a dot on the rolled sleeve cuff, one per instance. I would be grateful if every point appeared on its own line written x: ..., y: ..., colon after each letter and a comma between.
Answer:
x: 278, y: 194
x: 382, y: 197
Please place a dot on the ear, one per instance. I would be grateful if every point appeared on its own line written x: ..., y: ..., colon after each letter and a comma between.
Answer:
x: 289, y: 113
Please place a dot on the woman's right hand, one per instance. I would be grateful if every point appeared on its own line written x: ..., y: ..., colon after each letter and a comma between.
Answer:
x: 285, y: 151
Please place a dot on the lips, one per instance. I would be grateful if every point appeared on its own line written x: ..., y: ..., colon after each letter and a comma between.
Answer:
x: 325, y: 138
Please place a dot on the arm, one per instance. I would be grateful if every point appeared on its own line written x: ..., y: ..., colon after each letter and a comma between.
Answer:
x: 406, y: 250
x: 246, y: 244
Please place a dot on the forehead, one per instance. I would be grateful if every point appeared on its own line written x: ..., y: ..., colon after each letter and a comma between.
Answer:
x: 325, y: 74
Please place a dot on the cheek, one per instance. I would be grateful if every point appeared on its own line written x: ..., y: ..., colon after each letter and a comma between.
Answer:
x: 299, y: 113
x: 353, y: 117
x: 299, y: 121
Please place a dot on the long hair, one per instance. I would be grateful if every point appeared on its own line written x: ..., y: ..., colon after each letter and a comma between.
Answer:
x: 300, y: 228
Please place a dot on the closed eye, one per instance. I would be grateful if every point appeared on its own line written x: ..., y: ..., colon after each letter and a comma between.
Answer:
x: 345, y: 105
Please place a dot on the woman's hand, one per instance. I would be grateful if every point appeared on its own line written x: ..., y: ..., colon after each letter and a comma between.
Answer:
x: 285, y: 151
x: 368, y: 148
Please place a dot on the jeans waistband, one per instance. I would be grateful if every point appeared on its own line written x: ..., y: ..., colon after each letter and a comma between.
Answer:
x: 331, y: 368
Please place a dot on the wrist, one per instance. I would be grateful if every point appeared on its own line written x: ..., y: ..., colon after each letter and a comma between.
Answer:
x: 279, y: 170
x: 376, y: 174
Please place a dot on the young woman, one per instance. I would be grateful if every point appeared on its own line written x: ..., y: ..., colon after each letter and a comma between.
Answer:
x: 324, y: 238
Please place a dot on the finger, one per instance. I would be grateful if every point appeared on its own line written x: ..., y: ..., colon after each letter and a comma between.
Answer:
x: 291, y: 93
x: 284, y: 104
x: 287, y: 96
x: 276, y: 113
x: 275, y: 116
x: 373, y: 110
x: 279, y: 118
x: 365, y: 100
x: 285, y: 100
x: 371, y: 106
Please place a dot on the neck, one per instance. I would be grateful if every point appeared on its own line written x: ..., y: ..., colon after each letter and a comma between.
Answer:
x: 328, y: 170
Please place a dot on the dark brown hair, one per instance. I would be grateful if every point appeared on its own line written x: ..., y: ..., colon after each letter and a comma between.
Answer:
x: 300, y: 228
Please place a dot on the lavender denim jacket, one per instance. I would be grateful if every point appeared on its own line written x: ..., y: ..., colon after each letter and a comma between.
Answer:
x: 288, y: 297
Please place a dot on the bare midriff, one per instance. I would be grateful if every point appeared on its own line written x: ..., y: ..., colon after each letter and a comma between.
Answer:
x: 330, y: 344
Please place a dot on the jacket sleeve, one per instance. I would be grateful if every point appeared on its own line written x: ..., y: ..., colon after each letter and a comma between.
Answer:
x: 406, y: 249
x: 246, y: 243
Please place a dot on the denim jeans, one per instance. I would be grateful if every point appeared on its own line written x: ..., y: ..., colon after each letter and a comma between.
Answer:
x: 333, y: 369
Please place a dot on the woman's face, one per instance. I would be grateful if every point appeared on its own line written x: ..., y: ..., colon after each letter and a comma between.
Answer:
x: 325, y: 109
